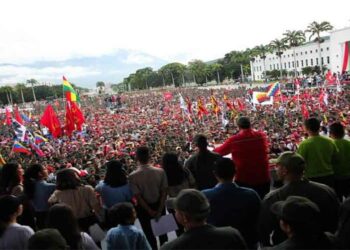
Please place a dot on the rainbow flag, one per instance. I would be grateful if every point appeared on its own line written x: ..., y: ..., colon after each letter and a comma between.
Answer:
x: 19, y: 148
x: 70, y: 93
x: 262, y: 97
x: 273, y: 89
x: 39, y: 139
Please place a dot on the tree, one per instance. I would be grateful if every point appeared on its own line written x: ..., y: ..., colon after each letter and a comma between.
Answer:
x: 307, y: 70
x: 262, y: 50
x: 19, y: 88
x: 279, y: 45
x: 32, y: 82
x: 216, y: 67
x: 100, y: 85
x: 198, y: 70
x: 294, y: 39
x: 315, y: 29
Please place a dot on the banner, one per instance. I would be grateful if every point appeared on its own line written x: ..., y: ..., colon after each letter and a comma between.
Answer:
x: 262, y: 98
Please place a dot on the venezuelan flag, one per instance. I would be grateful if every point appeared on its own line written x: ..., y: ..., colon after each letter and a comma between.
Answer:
x: 2, y: 161
x: 39, y: 139
x: 19, y: 148
x: 273, y: 89
x: 70, y: 93
x: 27, y: 118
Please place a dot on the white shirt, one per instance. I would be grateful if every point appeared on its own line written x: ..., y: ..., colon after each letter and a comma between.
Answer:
x: 16, y: 237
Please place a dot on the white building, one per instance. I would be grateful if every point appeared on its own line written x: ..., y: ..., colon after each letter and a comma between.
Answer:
x: 307, y: 55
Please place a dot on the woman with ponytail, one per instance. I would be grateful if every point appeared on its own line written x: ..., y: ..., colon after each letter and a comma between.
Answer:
x: 38, y: 191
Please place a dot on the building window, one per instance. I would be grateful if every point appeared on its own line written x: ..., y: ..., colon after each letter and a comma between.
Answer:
x: 293, y: 64
x: 302, y: 63
x: 278, y: 66
x: 285, y: 65
x: 270, y: 67
x: 298, y: 64
x: 312, y: 62
x: 296, y: 54
x: 306, y: 63
x: 305, y: 52
x: 321, y: 49
x: 316, y: 51
x: 274, y: 66
x: 301, y: 53
x: 316, y: 61
x: 327, y: 48
x: 288, y: 65
x: 310, y: 51
x: 322, y: 60
x: 327, y: 59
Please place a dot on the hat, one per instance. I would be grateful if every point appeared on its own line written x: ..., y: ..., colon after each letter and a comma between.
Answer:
x: 47, y: 239
x: 296, y: 209
x: 293, y: 162
x: 192, y: 202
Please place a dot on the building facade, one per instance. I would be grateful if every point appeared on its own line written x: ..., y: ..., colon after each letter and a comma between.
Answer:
x: 331, y: 52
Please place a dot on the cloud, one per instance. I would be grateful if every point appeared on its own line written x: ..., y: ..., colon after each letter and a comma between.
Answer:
x: 14, y: 74
x: 134, y: 58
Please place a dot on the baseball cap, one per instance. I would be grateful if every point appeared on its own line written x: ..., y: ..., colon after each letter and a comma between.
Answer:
x: 297, y: 209
x: 47, y: 239
x: 294, y: 162
x: 192, y: 202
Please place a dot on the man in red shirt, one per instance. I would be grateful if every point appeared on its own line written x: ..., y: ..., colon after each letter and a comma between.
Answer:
x: 249, y: 149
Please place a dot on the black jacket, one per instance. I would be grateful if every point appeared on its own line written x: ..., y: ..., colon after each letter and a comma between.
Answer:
x: 320, y: 194
x: 208, y: 237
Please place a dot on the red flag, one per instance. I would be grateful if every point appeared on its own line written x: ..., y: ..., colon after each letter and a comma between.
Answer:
x: 189, y: 105
x: 74, y: 118
x: 18, y: 116
x: 304, y: 111
x: 240, y: 104
x: 201, y: 108
x: 329, y: 77
x: 50, y: 120
x: 228, y: 103
x: 168, y: 96
x: 8, y: 117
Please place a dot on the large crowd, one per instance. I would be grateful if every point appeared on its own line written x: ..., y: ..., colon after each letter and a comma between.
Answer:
x: 283, y: 184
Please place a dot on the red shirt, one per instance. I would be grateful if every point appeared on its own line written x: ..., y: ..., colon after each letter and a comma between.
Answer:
x: 249, y: 149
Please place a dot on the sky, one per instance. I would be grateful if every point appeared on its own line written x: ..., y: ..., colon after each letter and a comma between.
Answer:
x: 88, y: 40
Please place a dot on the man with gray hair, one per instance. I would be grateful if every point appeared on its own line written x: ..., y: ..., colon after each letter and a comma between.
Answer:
x: 290, y: 170
x: 191, y: 210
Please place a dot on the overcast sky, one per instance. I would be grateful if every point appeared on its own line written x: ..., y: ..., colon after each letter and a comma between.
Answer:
x: 148, y: 32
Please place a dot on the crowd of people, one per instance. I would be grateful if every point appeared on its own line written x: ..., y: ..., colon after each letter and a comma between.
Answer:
x: 273, y: 176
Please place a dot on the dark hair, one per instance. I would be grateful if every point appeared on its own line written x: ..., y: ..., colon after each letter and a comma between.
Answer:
x: 173, y: 169
x: 67, y: 179
x: 8, y: 206
x: 47, y: 239
x: 224, y: 168
x: 142, y: 155
x: 9, y: 177
x: 116, y: 174
x: 200, y: 141
x: 31, y: 176
x: 121, y: 213
x: 61, y: 217
x: 337, y: 130
x: 243, y: 122
x: 312, y: 124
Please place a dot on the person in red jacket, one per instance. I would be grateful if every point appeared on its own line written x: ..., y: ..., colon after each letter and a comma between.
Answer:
x: 249, y: 149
